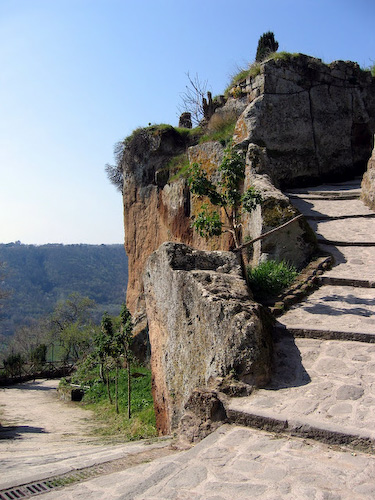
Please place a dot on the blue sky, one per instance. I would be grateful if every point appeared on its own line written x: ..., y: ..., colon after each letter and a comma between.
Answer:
x: 78, y: 75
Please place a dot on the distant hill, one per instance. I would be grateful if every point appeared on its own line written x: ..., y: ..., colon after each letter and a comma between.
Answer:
x: 39, y: 276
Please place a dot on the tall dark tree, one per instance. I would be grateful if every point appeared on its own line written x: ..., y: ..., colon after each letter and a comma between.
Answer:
x: 266, y: 45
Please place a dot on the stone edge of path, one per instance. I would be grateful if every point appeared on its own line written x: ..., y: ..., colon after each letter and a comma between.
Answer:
x: 305, y: 430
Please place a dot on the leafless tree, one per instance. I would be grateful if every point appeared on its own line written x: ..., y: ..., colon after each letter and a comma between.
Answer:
x: 192, y: 98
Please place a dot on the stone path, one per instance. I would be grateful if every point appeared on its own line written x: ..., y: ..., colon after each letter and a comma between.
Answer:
x: 310, y: 433
x: 237, y: 463
x: 324, y: 380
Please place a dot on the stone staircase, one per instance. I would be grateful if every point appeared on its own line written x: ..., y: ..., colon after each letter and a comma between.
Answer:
x: 323, y: 385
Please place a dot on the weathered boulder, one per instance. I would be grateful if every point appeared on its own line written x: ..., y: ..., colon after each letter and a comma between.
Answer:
x: 309, y: 121
x: 203, y: 326
x: 368, y: 183
x: 204, y: 412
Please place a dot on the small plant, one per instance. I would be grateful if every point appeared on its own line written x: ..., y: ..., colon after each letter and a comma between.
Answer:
x: 178, y: 167
x: 270, y: 278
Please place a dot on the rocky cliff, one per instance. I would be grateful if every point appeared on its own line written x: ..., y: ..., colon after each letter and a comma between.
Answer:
x: 298, y: 120
x: 307, y: 122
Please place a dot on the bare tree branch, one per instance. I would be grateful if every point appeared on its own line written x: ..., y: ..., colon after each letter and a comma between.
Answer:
x: 192, y: 98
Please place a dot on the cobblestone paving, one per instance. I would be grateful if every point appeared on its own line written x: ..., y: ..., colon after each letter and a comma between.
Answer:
x: 326, y: 384
x: 237, y: 463
x: 352, y: 262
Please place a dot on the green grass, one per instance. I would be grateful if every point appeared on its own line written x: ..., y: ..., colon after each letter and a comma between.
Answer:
x: 270, y: 278
x: 253, y: 70
x: 178, y: 167
x: 282, y: 56
x: 142, y: 422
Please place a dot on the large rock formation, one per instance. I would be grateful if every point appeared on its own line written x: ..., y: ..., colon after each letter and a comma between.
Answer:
x: 299, y: 121
x: 307, y: 121
x: 368, y: 182
x: 203, y: 326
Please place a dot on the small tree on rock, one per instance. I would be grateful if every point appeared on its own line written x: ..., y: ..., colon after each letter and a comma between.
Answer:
x: 227, y: 194
x: 266, y: 45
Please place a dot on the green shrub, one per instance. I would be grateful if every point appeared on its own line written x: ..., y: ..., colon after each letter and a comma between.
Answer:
x: 13, y: 365
x: 270, y: 278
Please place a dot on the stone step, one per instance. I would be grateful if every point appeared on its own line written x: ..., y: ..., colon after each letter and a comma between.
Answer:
x: 326, y: 195
x: 339, y: 281
x: 331, y: 208
x: 352, y: 263
x: 330, y: 308
x: 341, y: 190
x: 346, y: 232
x: 324, y: 390
x: 280, y: 331
x: 341, y: 243
x: 323, y: 217
x: 236, y: 462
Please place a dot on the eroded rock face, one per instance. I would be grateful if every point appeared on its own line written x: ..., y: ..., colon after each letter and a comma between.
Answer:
x: 203, y: 326
x: 307, y: 122
x: 368, y: 183
x: 155, y: 210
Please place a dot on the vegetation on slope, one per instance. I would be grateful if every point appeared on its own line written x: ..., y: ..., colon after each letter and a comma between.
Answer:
x: 40, y: 276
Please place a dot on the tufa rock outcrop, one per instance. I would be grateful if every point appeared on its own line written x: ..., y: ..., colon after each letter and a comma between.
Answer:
x: 368, y: 183
x: 307, y: 122
x: 203, y: 326
x: 299, y: 121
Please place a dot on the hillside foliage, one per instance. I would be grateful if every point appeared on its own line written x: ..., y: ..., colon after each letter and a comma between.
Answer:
x: 37, y: 277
